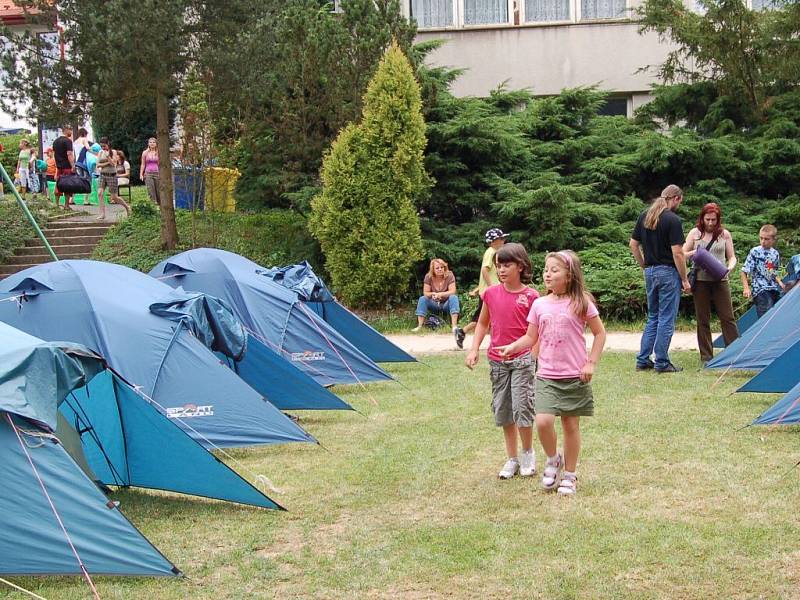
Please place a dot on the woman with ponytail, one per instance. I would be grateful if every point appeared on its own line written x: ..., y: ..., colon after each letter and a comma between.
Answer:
x: 657, y: 245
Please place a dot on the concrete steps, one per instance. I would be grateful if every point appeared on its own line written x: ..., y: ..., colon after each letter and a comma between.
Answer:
x: 69, y: 239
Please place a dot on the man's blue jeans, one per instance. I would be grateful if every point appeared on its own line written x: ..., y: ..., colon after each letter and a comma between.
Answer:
x: 663, y: 285
x: 765, y: 300
x: 426, y: 305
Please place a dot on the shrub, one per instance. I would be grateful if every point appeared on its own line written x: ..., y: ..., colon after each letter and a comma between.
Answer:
x: 365, y: 218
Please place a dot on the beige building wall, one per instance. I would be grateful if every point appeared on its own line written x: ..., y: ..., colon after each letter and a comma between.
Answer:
x: 547, y: 58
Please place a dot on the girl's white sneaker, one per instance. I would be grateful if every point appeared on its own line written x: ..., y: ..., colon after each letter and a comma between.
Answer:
x: 509, y: 469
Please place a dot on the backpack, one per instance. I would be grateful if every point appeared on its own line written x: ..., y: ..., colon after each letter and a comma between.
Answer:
x: 433, y: 322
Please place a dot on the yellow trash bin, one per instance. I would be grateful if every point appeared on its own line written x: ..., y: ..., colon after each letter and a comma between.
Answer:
x: 220, y: 186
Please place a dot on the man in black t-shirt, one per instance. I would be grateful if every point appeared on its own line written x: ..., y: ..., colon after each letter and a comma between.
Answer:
x: 657, y: 245
x: 65, y: 160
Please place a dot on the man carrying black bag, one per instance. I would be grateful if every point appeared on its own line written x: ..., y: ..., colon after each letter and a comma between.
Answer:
x: 65, y: 161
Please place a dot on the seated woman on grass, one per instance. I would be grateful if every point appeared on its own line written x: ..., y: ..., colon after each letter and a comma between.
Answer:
x: 438, y: 294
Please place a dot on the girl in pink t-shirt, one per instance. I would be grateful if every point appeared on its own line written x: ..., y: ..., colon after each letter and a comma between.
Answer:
x: 563, y: 389
x: 505, y: 309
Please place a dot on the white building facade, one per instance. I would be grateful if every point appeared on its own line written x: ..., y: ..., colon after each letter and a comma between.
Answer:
x: 544, y: 45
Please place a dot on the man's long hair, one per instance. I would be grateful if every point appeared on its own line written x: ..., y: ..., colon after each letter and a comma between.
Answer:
x: 660, y: 204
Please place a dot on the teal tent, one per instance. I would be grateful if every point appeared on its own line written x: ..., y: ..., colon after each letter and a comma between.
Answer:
x: 53, y: 518
x: 112, y: 430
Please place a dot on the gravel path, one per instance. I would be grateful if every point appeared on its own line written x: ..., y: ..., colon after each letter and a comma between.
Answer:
x: 431, y: 343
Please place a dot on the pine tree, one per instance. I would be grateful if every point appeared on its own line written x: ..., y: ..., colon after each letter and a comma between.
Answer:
x: 366, y: 218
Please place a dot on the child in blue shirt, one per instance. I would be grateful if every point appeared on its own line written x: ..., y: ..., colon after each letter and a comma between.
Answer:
x: 762, y: 265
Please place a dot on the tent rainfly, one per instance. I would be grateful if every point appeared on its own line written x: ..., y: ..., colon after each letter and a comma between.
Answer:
x: 272, y: 314
x: 310, y: 288
x: 54, y: 519
x: 768, y: 338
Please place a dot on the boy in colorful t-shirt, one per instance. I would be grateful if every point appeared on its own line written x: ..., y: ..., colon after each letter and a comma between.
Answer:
x: 763, y: 264
x: 505, y: 310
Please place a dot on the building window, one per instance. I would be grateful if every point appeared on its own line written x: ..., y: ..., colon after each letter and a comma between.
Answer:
x: 432, y: 13
x: 546, y: 10
x: 614, y: 107
x: 485, y: 12
x: 603, y: 9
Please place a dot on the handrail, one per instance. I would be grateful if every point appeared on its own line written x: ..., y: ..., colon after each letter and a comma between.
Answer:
x: 27, y: 212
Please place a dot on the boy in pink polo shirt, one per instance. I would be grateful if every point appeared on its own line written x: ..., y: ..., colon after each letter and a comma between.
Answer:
x: 505, y: 309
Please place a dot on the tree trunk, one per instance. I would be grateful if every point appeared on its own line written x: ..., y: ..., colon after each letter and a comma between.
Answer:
x: 169, y: 230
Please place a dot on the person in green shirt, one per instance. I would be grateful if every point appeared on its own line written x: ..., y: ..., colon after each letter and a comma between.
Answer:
x: 495, y: 238
x: 23, y: 165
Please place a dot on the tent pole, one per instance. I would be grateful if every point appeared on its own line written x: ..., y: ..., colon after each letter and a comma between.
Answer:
x: 27, y: 212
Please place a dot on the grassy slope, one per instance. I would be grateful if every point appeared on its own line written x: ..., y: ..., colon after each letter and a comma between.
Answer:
x: 274, y: 238
x: 403, y: 502
x: 15, y: 227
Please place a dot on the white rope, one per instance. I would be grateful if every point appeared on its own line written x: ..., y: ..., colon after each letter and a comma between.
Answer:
x: 325, y: 337
x: 36, y: 434
x: 21, y: 589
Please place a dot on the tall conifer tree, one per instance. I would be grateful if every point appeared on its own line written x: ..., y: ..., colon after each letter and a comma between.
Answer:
x: 366, y: 217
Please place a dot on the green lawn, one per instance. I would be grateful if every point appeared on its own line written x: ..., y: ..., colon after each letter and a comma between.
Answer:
x: 403, y: 502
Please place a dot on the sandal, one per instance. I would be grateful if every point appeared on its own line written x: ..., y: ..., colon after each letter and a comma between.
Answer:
x: 552, y: 472
x: 569, y: 484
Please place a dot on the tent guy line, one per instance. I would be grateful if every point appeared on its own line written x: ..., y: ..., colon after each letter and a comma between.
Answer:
x: 53, y: 508
x: 346, y: 364
x: 22, y: 589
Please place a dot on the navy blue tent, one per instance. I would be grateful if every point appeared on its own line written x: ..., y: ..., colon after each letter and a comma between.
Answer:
x: 310, y: 288
x: 53, y: 518
x: 271, y: 313
x: 785, y: 411
x: 106, y: 307
x: 772, y: 335
x: 780, y: 375
x: 744, y: 323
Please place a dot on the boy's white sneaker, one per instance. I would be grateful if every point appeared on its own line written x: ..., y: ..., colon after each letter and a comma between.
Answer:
x: 527, y: 463
x: 509, y: 469
x: 552, y: 472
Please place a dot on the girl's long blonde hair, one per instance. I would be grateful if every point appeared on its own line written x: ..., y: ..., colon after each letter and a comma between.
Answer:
x: 579, y: 297
x: 660, y: 204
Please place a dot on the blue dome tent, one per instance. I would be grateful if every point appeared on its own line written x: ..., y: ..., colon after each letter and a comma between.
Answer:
x: 309, y: 288
x: 273, y: 314
x: 769, y: 337
x: 106, y: 307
